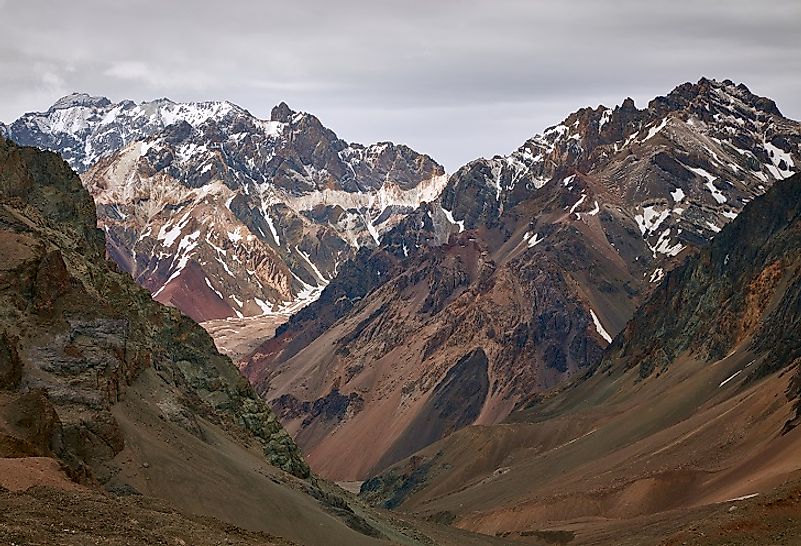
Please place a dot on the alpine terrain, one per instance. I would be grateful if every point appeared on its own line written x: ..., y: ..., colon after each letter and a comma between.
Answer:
x: 120, y: 423
x: 222, y: 214
x: 518, y: 275
x: 685, y: 432
x: 590, y: 340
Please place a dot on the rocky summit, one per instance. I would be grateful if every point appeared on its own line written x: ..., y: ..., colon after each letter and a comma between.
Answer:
x: 518, y: 275
x: 222, y: 214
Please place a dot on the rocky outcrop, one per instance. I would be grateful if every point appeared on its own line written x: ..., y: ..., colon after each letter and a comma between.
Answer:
x: 76, y: 333
x: 10, y: 363
x: 743, y: 288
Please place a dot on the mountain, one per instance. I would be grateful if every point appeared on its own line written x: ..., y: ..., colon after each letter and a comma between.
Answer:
x: 83, y: 128
x: 518, y: 275
x: 687, y: 425
x: 222, y: 214
x: 120, y: 423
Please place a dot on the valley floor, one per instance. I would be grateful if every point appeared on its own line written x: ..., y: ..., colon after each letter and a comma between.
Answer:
x: 47, y: 516
x: 238, y: 338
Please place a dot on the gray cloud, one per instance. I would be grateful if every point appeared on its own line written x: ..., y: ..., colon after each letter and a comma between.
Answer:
x: 457, y: 79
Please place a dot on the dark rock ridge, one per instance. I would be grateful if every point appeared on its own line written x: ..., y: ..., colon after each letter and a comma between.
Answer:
x: 744, y: 288
x: 538, y: 258
x: 75, y: 334
x: 222, y: 214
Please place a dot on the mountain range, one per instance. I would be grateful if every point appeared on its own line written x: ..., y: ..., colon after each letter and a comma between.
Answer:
x: 685, y: 431
x: 518, y: 275
x: 590, y: 340
x: 222, y: 214
x: 120, y: 422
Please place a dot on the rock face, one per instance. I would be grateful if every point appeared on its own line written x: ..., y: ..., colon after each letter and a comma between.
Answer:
x: 75, y: 333
x: 692, y: 409
x: 744, y: 288
x: 222, y: 214
x: 536, y: 259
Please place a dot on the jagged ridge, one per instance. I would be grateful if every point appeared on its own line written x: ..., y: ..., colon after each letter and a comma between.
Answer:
x: 223, y: 214
x: 554, y: 247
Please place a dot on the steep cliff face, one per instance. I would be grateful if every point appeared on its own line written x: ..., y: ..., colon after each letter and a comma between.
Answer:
x: 76, y: 333
x: 537, y: 259
x: 692, y: 409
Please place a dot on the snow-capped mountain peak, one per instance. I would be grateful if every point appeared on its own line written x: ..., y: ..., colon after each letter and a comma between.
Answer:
x: 224, y: 214
x: 85, y: 128
x: 80, y: 99
x: 702, y: 152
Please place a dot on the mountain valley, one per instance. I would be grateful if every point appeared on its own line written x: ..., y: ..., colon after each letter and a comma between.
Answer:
x: 209, y: 320
x: 114, y: 404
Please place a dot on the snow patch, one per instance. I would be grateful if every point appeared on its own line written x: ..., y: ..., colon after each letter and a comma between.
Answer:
x: 372, y: 230
x: 606, y: 116
x: 657, y: 275
x: 677, y: 195
x: 599, y: 327
x: 732, y: 376
x: 777, y: 156
x: 170, y: 236
x: 449, y: 216
x: 744, y: 497
x: 533, y: 240
x: 654, y: 130
x: 317, y: 272
x: 577, y: 204
x: 235, y: 236
x: 663, y: 245
x: 266, y: 308
x: 225, y: 266
x: 650, y: 220
x: 271, y: 225
x: 716, y: 193
x: 208, y: 283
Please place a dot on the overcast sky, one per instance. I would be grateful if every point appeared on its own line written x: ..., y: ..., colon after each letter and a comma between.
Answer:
x: 457, y: 79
